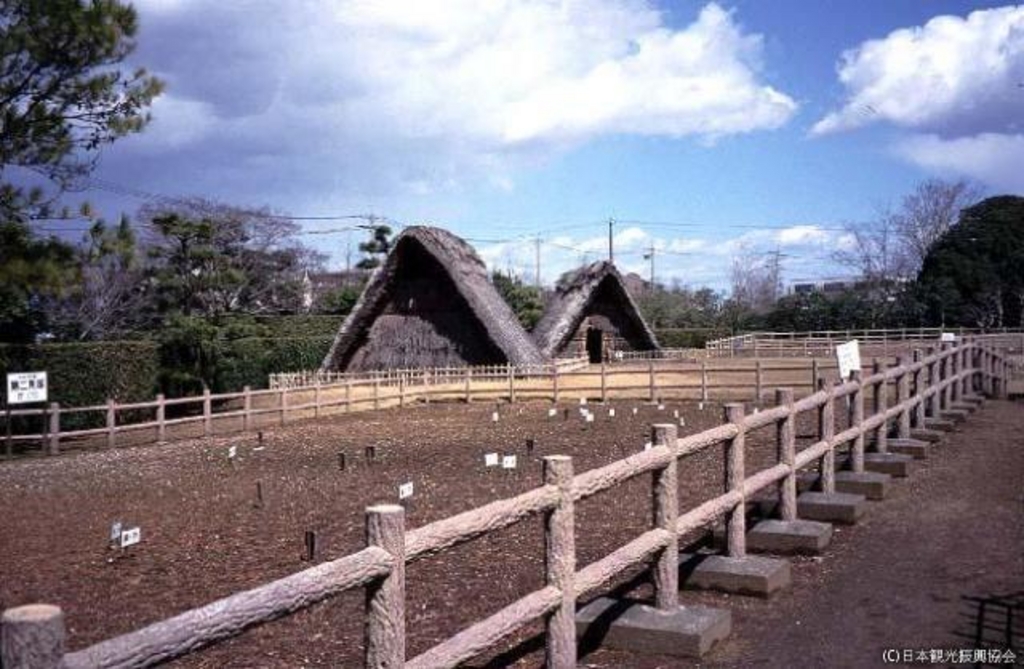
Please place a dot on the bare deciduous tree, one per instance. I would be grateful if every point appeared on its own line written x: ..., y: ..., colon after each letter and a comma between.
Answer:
x: 892, y: 248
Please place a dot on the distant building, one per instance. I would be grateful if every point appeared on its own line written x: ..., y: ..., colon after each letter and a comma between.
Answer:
x: 317, y: 285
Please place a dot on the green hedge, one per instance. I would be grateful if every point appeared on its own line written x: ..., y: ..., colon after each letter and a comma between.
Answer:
x: 89, y: 373
x: 689, y: 337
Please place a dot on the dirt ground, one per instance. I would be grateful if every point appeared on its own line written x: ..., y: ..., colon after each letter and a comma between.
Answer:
x: 205, y: 536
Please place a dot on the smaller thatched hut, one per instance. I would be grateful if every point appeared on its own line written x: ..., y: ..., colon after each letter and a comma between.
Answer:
x: 430, y: 304
x: 593, y: 314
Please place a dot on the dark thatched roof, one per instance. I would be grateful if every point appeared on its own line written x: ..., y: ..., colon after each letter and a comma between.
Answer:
x: 469, y: 276
x: 571, y: 303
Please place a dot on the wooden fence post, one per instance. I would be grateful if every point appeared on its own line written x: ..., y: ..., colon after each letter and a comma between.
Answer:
x: 511, y: 384
x: 650, y: 382
x: 814, y: 374
x: 53, y: 447
x: 376, y: 391
x: 879, y: 405
x: 857, y: 420
x: 316, y: 399
x: 161, y: 418
x: 736, y: 522
x: 944, y: 370
x: 954, y: 371
x: 32, y: 637
x: 902, y: 395
x: 785, y: 441
x: 554, y: 382
x: 283, y: 403
x: 111, y: 422
x: 401, y: 389
x: 666, y: 512
x: 560, y: 564
x: 703, y: 380
x: 207, y: 413
x: 758, y: 381
x: 247, y: 409
x: 385, y: 598
x: 348, y: 394
x: 933, y: 379
x: 469, y: 387
x: 604, y: 383
x: 826, y: 432
x: 919, y: 389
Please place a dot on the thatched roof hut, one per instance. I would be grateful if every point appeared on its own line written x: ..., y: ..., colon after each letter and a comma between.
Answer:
x: 593, y: 314
x: 430, y: 304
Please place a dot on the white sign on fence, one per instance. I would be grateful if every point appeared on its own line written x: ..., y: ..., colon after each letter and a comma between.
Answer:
x: 405, y: 490
x: 508, y: 462
x: 130, y: 536
x: 490, y: 459
x: 26, y: 387
x: 947, y: 336
x: 848, y: 355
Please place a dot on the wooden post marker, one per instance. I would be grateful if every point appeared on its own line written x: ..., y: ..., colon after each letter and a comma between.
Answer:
x: 826, y: 432
x: 560, y: 565
x: 736, y: 521
x: 207, y: 413
x: 902, y: 395
x: 786, y: 447
x: 856, y: 420
x: 666, y: 512
x: 385, y: 598
x: 880, y: 403
x: 161, y: 419
x: 32, y: 637
x: 111, y: 423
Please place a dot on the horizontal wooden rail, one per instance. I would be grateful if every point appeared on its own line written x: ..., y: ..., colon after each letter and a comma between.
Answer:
x: 950, y: 372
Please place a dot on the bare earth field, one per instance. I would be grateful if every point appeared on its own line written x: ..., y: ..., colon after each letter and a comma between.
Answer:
x: 894, y: 580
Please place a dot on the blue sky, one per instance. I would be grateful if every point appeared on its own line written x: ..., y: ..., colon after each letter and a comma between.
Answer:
x: 705, y: 130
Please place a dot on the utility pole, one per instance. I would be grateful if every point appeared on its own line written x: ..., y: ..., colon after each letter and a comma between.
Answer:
x: 536, y: 243
x: 611, y: 243
x: 650, y: 256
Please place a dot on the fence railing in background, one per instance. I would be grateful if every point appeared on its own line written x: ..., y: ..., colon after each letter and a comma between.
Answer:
x: 249, y: 410
x: 34, y: 636
x: 823, y: 342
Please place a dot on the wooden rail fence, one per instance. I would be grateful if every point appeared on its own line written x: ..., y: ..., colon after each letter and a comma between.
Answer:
x: 33, y: 636
x: 249, y: 410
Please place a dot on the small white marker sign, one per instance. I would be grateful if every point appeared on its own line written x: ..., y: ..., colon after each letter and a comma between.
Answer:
x: 552, y: 413
x: 611, y: 413
x: 947, y: 336
x: 661, y: 407
x: 115, y: 531
x: 491, y: 459
x: 648, y: 446
x: 682, y: 421
x: 675, y: 414
x: 700, y: 406
x: 848, y: 356
x: 130, y: 536
x: 590, y: 418
x: 508, y: 462
x: 26, y: 387
x: 405, y: 490
x: 232, y: 452
x: 583, y: 400
x: 634, y: 411
x: 494, y: 417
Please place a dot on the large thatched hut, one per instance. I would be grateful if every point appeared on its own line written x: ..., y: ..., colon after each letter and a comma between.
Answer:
x: 430, y: 304
x: 593, y: 314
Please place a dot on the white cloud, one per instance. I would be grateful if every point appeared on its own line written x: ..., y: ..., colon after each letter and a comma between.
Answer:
x: 995, y: 159
x: 801, y: 234
x: 358, y: 95
x: 952, y: 76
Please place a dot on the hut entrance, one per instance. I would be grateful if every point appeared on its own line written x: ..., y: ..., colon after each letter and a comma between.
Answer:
x: 595, y: 345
